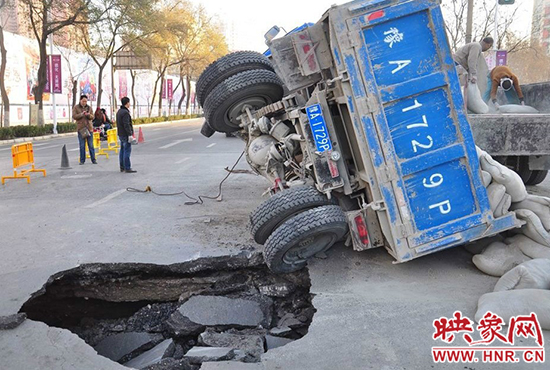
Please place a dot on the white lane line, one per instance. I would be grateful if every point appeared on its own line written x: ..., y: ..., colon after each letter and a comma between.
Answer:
x: 1, y: 150
x: 74, y: 150
x: 183, y: 160
x: 39, y: 144
x: 106, y: 199
x: 211, y: 145
x: 49, y: 147
x: 175, y: 143
x: 156, y: 129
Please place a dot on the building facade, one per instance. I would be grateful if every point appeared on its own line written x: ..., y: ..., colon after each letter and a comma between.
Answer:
x: 540, y: 31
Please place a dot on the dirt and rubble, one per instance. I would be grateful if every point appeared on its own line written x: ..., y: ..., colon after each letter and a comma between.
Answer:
x: 178, y: 316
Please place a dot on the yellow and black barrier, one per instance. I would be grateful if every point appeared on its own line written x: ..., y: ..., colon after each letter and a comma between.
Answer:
x: 22, y: 155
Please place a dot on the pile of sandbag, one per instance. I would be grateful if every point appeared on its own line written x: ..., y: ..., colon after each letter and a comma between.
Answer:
x: 506, y: 193
x: 521, y: 260
x: 521, y: 291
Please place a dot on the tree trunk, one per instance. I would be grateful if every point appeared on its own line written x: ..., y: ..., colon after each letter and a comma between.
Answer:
x: 42, y: 79
x: 153, y: 97
x: 188, y: 104
x: 183, y: 94
x: 133, y: 75
x: 170, y: 101
x: 100, y: 83
x: 5, y: 97
x: 74, y: 92
x: 160, y: 94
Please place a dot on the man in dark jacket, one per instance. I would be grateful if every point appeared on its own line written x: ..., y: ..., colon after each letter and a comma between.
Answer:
x: 125, y: 133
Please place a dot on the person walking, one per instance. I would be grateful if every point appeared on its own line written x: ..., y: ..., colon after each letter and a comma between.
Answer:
x: 468, y: 56
x: 82, y: 114
x: 125, y: 133
x: 502, y: 76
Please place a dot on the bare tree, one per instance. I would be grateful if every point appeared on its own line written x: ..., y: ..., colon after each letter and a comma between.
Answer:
x: 47, y: 17
x: 74, y: 72
x: 4, y: 4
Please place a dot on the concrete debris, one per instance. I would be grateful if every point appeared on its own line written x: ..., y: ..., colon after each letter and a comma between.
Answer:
x: 290, y: 321
x: 12, y: 321
x: 251, y: 345
x: 151, y: 357
x: 276, y: 290
x: 275, y: 342
x: 223, y: 311
x: 198, y: 355
x: 229, y: 365
x: 181, y: 326
x: 280, y: 331
x: 118, y: 346
x: 172, y: 364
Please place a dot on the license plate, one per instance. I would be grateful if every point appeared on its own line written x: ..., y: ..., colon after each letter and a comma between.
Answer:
x: 319, y: 128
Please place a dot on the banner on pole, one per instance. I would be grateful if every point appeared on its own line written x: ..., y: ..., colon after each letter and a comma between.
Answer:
x: 169, y: 88
x: 57, y: 81
x: 47, y: 88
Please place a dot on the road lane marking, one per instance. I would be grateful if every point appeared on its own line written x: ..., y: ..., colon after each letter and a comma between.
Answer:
x: 183, y: 160
x: 173, y: 135
x: 211, y: 145
x: 49, y: 147
x: 39, y: 144
x: 175, y: 143
x: 1, y: 150
x: 73, y: 150
x: 106, y: 199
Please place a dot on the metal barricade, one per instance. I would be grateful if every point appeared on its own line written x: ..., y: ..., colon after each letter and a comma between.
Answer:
x: 22, y: 155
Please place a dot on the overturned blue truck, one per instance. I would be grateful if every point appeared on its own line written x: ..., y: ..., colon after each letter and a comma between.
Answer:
x: 358, y: 124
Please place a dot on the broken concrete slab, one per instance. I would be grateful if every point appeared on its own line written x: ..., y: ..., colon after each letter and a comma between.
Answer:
x: 181, y: 326
x: 231, y: 365
x: 277, y: 290
x: 117, y: 346
x: 290, y: 321
x: 272, y: 342
x: 151, y: 357
x: 251, y: 345
x: 172, y: 364
x: 223, y: 311
x: 198, y: 355
x: 12, y: 321
x: 280, y: 331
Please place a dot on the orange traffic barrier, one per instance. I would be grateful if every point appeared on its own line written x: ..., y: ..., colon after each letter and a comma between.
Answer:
x: 22, y: 155
x: 112, y: 140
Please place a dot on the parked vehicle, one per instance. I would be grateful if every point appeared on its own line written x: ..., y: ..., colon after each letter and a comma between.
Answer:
x: 359, y: 125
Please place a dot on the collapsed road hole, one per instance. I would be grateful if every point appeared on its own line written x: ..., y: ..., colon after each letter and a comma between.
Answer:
x: 178, y: 316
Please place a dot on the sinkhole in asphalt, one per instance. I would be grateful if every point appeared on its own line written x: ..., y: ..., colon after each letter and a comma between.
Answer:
x: 161, y: 317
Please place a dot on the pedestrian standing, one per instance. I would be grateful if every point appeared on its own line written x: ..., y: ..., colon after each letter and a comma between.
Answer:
x: 82, y: 114
x: 125, y: 133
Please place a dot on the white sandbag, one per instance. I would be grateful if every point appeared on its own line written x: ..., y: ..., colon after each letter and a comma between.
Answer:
x: 499, y: 258
x: 479, y: 246
x: 515, y: 108
x: 504, y: 206
x: 539, y: 205
x: 528, y: 246
x: 495, y: 192
x: 503, y: 175
x: 534, y: 274
x: 475, y: 102
x: 533, y: 227
x: 511, y: 303
x: 487, y: 178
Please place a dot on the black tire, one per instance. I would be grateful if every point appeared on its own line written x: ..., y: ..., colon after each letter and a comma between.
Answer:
x: 521, y: 167
x: 226, y: 67
x: 256, y: 88
x: 283, y: 205
x: 303, y: 236
x: 537, y: 177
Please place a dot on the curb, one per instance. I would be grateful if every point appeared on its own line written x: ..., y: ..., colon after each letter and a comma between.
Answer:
x: 47, y: 137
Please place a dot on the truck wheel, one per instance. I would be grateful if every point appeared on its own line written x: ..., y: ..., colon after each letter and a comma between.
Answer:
x: 302, y: 236
x: 521, y: 166
x: 537, y: 177
x: 283, y: 205
x: 256, y: 89
x: 226, y: 67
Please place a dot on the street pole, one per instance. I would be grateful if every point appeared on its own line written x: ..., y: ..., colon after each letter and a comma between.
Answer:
x: 51, y: 88
x: 495, y: 31
x: 469, y: 21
